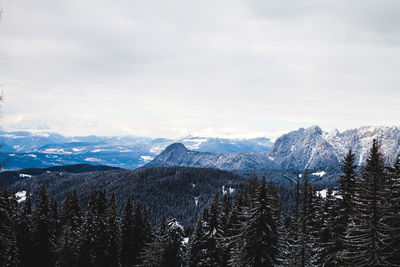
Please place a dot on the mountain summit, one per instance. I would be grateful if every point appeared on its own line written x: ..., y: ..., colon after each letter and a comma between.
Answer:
x: 306, y: 148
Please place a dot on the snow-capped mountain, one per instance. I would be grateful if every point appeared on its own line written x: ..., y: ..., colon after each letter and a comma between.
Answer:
x: 25, y: 149
x: 309, y: 148
x: 178, y: 155
x: 313, y: 148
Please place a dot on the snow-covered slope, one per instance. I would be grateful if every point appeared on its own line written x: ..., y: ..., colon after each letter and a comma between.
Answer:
x: 310, y: 148
x: 313, y: 148
x: 178, y: 155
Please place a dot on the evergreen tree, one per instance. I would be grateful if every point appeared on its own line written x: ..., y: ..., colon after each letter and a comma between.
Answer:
x: 66, y: 254
x: 42, y: 231
x: 127, y: 236
x: 347, y: 186
x: 394, y: 220
x: 367, y: 238
x: 305, y: 251
x: 8, y: 242
x: 174, y: 249
x: 101, y: 231
x: 113, y: 233
x: 71, y: 220
x: 327, y: 235
x: 24, y: 233
x: 213, y: 234
x: 197, y: 246
x: 142, y: 233
x: 87, y: 254
x: 315, y: 223
x: 153, y: 253
x: 259, y: 232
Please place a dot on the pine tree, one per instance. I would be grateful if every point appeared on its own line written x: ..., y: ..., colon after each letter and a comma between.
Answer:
x: 127, y: 236
x: 197, y: 245
x: 367, y: 238
x: 55, y: 226
x: 8, y: 242
x: 345, y: 204
x: 102, y: 231
x: 327, y: 235
x: 174, y: 249
x: 259, y: 232
x: 24, y: 233
x: 66, y: 256
x: 142, y: 233
x: 113, y: 233
x: 87, y: 253
x: 153, y: 253
x: 305, y: 251
x: 42, y: 231
x: 394, y: 220
x: 315, y: 223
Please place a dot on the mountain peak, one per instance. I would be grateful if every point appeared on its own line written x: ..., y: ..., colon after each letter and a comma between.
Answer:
x: 178, y: 147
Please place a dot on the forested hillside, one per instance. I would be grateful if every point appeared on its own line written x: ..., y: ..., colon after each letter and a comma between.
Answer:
x: 359, y: 226
x: 174, y: 192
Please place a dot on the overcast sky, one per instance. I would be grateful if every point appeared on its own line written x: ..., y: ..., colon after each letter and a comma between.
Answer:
x: 210, y: 68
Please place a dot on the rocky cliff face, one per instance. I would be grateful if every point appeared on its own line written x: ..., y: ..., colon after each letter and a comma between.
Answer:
x: 310, y: 148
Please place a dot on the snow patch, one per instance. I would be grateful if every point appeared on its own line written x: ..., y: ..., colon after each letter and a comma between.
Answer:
x: 320, y: 174
x: 157, y: 149
x: 56, y: 151
x: 196, y: 201
x: 194, y: 143
x: 271, y: 158
x: 31, y: 155
x: 93, y: 160
x: 324, y: 192
x: 23, y: 175
x: 230, y: 190
x: 96, y: 150
x: 147, y: 158
x: 21, y: 196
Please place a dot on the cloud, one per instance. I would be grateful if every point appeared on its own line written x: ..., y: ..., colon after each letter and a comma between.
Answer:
x: 174, y: 68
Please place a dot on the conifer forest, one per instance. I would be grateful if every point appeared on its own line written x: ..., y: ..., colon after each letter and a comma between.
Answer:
x: 357, y: 223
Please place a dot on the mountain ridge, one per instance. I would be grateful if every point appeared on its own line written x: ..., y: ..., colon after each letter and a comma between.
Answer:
x: 305, y: 148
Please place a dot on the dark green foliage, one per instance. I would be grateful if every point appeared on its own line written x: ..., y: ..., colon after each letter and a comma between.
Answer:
x: 42, y: 231
x: 360, y: 227
x: 23, y: 228
x: 169, y: 191
x: 394, y: 214
x: 8, y: 241
x: 113, y: 233
x: 259, y: 232
x: 367, y: 237
x: 127, y: 238
x: 345, y: 204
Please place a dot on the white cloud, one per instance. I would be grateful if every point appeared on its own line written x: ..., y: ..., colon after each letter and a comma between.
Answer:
x: 175, y: 68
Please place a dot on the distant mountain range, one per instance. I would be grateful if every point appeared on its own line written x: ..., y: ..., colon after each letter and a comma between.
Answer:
x: 30, y: 150
x: 310, y: 148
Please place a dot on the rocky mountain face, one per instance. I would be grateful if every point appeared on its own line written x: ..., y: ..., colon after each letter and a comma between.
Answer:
x: 310, y: 148
x: 178, y: 155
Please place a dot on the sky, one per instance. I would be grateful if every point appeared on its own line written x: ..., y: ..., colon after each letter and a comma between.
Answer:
x: 206, y: 68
